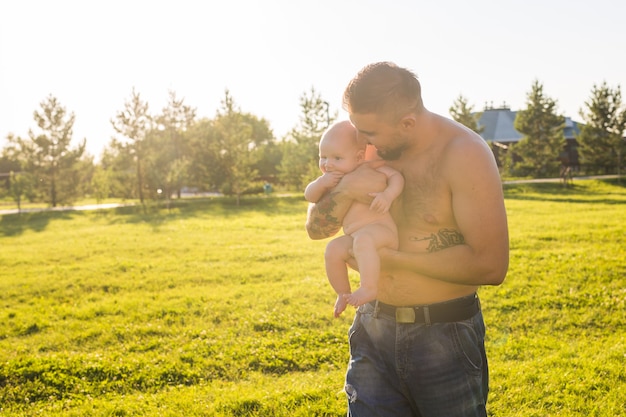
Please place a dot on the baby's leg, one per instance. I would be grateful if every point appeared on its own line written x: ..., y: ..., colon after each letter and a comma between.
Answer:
x: 366, y: 242
x: 336, y: 256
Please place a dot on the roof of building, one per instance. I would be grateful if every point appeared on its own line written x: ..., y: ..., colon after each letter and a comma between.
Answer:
x: 499, y: 127
x: 572, y: 128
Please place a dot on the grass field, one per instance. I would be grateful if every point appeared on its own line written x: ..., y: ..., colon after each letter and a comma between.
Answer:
x: 216, y: 310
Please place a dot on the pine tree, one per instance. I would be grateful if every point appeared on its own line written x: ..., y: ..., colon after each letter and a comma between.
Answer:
x: 537, y: 153
x: 133, y: 123
x: 48, y: 155
x: 602, y: 148
x: 235, y: 136
x: 167, y: 154
x: 300, y: 152
x: 463, y: 113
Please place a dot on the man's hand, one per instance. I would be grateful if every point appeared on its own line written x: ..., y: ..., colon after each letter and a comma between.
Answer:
x: 364, y: 180
x: 388, y: 258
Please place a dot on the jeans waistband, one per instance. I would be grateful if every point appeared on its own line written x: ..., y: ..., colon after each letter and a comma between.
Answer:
x: 446, y: 312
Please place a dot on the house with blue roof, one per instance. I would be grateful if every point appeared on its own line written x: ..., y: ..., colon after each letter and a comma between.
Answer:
x: 498, y: 129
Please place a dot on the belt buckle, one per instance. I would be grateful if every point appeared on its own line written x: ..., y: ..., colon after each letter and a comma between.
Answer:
x: 405, y: 315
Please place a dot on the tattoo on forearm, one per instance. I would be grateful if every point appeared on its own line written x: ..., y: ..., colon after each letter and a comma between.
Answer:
x: 443, y: 239
x: 325, y: 222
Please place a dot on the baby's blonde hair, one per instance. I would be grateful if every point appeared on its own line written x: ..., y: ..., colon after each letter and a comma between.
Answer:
x: 342, y: 129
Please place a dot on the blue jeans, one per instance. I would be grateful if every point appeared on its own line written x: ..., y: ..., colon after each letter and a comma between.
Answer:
x: 418, y: 370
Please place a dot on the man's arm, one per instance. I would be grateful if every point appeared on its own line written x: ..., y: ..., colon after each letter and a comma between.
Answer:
x: 479, y: 252
x: 325, y: 217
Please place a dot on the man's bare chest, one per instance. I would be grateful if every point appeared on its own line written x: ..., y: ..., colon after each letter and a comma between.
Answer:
x: 426, y: 202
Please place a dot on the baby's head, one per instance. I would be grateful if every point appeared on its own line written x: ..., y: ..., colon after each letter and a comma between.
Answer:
x: 340, y: 148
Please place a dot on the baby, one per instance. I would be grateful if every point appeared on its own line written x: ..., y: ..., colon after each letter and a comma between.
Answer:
x: 366, y: 228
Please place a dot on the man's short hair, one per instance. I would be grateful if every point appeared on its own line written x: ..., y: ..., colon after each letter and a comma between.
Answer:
x: 383, y: 88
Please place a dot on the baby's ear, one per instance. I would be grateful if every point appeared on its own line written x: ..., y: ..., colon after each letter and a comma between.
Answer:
x: 360, y: 155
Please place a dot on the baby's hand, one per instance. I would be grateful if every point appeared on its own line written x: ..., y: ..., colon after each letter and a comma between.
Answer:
x: 380, y: 204
x: 331, y: 178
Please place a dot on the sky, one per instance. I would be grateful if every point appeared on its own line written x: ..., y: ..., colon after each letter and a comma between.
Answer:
x: 91, y: 54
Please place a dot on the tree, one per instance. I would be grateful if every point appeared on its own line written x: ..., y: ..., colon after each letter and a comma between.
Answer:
x: 7, y: 165
x: 300, y: 151
x: 165, y: 173
x: 269, y: 158
x: 119, y: 170
x: 133, y: 123
x: 238, y: 136
x: 215, y: 145
x: 204, y: 169
x: 601, y: 140
x: 101, y: 183
x: 464, y: 114
x: 174, y: 121
x: 48, y: 155
x: 543, y: 140
x: 22, y: 184
x: 265, y: 155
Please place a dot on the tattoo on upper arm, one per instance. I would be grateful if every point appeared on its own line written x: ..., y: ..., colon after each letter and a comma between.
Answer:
x: 443, y: 239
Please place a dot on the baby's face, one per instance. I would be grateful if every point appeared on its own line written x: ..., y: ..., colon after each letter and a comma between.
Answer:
x: 339, y: 154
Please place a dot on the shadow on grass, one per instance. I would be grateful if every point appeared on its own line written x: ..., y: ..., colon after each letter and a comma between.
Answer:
x: 16, y: 224
x: 200, y: 207
x: 157, y: 214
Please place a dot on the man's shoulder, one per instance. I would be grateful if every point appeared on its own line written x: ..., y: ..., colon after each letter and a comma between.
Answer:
x: 468, y: 158
x: 462, y: 140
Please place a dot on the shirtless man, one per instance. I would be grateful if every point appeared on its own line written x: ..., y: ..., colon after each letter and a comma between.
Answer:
x: 418, y: 350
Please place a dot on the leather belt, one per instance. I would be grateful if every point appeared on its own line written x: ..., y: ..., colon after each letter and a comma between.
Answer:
x: 446, y: 312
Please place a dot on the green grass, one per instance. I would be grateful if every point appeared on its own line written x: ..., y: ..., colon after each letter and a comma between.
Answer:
x: 557, y: 326
x: 216, y: 310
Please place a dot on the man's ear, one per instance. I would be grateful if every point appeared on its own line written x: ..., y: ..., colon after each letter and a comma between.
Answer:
x: 408, y: 122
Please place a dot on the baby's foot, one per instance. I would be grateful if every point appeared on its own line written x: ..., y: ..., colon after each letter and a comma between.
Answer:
x: 361, y: 296
x: 340, y: 304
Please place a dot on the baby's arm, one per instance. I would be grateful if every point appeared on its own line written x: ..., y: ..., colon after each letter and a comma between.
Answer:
x: 316, y: 189
x: 395, y: 184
